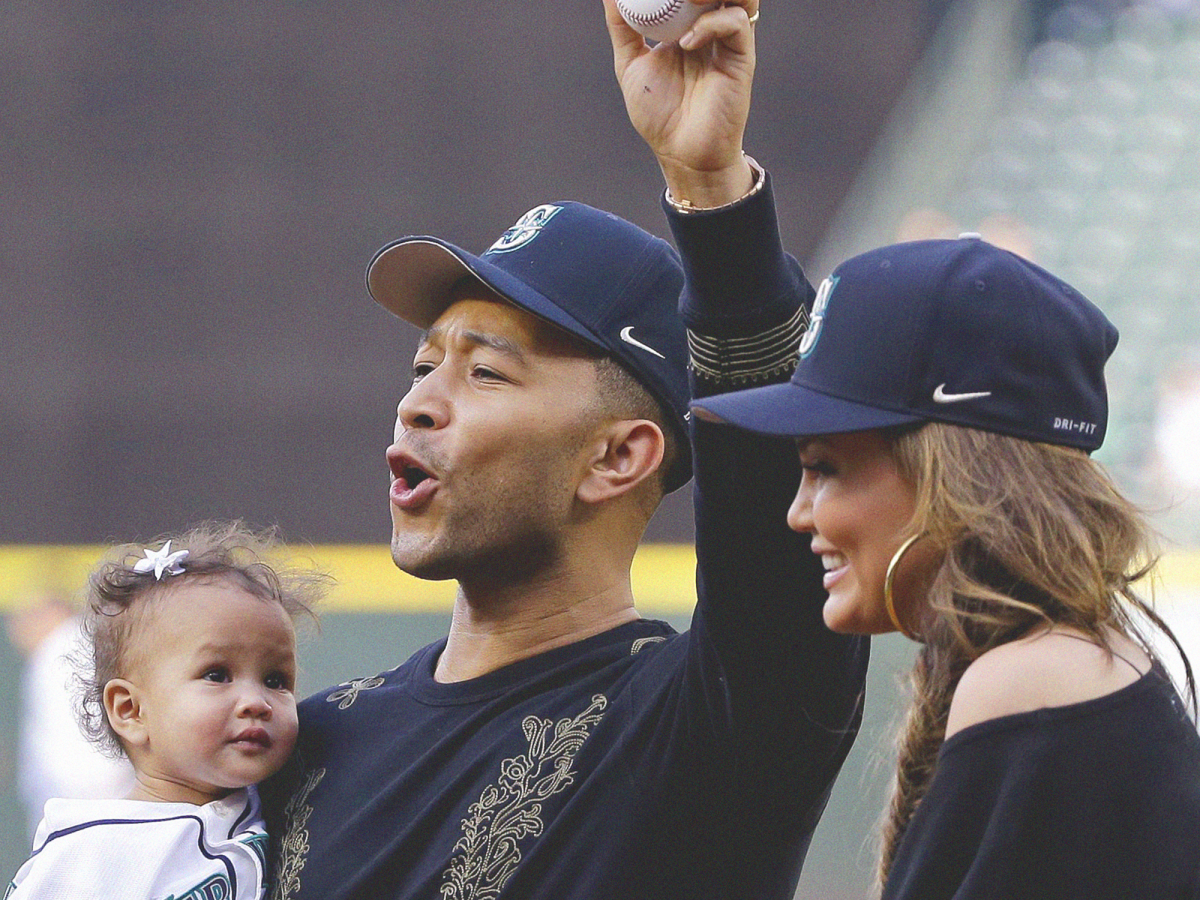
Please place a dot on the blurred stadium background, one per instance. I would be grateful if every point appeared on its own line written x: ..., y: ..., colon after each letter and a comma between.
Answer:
x: 191, y: 193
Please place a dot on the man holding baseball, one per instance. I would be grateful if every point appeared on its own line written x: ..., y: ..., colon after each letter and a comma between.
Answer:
x: 555, y: 744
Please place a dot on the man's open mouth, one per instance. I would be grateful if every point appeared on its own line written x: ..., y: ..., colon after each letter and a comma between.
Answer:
x: 412, y: 476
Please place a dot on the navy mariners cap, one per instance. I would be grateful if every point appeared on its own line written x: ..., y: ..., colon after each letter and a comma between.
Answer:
x: 589, y: 272
x: 954, y: 331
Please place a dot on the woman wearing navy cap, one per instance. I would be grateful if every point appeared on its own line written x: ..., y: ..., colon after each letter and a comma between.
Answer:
x: 944, y: 409
x: 945, y: 398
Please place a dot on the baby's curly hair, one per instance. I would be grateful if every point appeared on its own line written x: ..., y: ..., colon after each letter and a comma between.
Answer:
x: 117, y: 597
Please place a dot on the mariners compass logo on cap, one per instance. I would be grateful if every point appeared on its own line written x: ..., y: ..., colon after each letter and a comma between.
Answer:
x: 525, y: 229
x: 817, y: 320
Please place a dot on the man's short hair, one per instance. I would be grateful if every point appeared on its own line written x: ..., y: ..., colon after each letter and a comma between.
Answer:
x: 624, y: 397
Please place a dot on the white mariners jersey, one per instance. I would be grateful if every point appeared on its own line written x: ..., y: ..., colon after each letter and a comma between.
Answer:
x: 140, y: 850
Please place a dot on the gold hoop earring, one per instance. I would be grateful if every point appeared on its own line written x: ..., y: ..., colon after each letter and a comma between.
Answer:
x: 889, y: 601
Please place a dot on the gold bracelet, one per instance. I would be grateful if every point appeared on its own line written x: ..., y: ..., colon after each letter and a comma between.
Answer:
x: 686, y: 206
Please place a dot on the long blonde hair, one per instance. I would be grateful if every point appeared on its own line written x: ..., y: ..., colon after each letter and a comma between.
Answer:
x: 1032, y: 534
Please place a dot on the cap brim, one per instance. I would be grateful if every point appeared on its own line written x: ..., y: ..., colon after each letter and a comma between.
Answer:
x: 789, y: 410
x: 413, y: 278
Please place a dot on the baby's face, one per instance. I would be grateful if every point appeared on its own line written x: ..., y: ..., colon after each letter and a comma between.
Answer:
x: 215, y: 670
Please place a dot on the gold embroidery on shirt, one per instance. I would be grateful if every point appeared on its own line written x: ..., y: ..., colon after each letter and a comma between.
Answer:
x: 351, y: 689
x: 488, y: 853
x: 293, y: 851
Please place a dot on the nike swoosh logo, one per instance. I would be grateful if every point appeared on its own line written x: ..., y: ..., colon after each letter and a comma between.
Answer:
x: 940, y: 395
x: 627, y: 337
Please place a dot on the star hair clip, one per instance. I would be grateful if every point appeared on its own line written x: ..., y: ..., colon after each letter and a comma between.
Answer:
x: 161, y: 562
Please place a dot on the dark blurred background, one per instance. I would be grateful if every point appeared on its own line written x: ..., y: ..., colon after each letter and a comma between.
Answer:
x: 191, y: 193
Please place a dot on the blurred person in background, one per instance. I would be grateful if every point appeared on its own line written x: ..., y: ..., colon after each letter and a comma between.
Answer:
x: 54, y: 757
x: 944, y: 403
x: 1176, y: 435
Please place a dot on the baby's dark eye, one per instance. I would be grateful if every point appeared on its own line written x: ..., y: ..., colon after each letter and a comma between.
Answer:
x: 217, y: 674
x: 278, y: 681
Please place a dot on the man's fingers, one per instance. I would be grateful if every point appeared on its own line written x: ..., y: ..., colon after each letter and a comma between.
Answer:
x: 750, y: 6
x: 627, y: 44
x: 729, y: 24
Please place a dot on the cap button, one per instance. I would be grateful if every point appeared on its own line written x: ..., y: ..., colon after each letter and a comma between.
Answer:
x: 970, y: 236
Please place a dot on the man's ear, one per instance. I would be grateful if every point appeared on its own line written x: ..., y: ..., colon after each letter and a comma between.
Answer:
x: 627, y: 453
x: 123, y: 706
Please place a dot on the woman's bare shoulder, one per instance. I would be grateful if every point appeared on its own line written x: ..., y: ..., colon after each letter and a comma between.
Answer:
x: 1051, y: 668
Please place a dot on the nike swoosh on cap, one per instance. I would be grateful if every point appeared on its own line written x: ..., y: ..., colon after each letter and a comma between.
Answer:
x: 940, y: 395
x: 626, y: 336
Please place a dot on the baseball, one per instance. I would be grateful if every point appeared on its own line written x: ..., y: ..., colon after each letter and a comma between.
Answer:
x: 665, y: 21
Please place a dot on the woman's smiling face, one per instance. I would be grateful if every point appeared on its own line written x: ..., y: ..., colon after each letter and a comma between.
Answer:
x: 858, y: 509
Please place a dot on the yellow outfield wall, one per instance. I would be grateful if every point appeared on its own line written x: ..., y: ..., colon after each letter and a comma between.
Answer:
x: 367, y: 581
x: 663, y: 579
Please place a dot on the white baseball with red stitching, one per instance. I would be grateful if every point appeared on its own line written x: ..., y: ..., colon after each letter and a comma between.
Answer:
x: 665, y: 21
